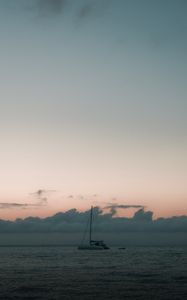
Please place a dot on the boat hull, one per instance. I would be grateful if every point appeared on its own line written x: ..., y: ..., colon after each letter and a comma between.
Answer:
x: 92, y: 248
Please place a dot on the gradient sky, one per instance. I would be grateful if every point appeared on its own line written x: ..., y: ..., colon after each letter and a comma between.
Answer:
x: 93, y: 104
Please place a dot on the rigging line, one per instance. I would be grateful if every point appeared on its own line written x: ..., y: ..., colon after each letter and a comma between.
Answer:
x: 85, y: 232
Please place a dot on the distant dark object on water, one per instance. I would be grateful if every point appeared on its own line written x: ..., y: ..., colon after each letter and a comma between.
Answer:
x: 122, y: 248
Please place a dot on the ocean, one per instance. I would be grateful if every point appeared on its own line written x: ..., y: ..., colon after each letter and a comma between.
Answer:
x: 68, y: 273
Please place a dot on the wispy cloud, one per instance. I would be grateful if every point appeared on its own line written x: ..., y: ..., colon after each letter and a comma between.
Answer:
x: 51, y: 7
x: 40, y: 198
x: 10, y: 205
x: 88, y: 197
x: 124, y: 206
x: 5, y: 205
x: 41, y: 195
x: 81, y: 10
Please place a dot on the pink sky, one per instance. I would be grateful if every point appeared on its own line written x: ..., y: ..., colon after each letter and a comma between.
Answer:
x: 93, y: 105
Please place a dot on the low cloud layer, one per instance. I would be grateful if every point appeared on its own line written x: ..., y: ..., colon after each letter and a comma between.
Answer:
x: 73, y: 221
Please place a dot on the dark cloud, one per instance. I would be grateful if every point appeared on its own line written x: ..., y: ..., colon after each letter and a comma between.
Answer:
x: 4, y: 205
x: 41, y: 195
x: 80, y: 10
x: 111, y: 205
x: 43, y: 8
x: 141, y: 215
x: 47, y: 7
x: 8, y: 205
x: 73, y: 221
x: 114, y: 206
x: 40, y: 199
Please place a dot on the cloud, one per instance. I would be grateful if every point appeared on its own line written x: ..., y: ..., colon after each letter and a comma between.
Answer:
x: 40, y: 199
x: 73, y: 221
x: 41, y: 195
x: 84, y: 10
x: 81, y: 10
x: 142, y: 215
x: 114, y: 206
x: 8, y: 205
x: 82, y: 197
x: 48, y: 7
x: 4, y: 205
x: 44, y: 8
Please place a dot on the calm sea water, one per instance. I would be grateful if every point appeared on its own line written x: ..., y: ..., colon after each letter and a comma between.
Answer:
x: 68, y: 273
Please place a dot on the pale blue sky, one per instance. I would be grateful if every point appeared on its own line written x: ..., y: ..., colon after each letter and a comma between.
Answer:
x: 93, y: 100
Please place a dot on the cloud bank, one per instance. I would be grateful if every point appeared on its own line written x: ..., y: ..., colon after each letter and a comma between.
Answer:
x: 73, y: 221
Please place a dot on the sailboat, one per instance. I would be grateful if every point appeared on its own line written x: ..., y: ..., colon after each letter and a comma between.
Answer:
x: 92, y: 244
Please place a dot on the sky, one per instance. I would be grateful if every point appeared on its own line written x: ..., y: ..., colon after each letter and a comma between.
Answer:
x: 93, y: 106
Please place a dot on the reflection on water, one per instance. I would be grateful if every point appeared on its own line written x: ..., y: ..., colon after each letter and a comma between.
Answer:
x: 67, y: 273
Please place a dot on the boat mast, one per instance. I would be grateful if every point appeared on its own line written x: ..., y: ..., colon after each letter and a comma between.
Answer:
x: 91, y: 216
